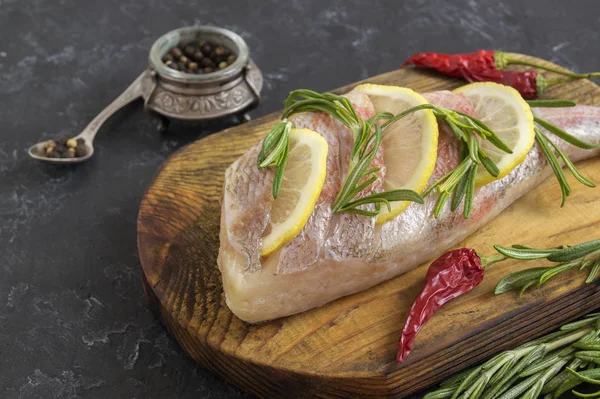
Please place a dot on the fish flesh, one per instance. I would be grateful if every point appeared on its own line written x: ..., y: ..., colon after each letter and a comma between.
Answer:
x: 340, y: 254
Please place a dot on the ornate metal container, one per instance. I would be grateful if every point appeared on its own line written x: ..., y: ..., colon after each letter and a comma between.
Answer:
x: 180, y: 95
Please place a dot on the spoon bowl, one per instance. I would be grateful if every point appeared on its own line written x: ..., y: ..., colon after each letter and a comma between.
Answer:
x: 36, y: 152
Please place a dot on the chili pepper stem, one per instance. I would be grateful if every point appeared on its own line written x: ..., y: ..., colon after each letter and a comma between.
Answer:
x: 501, y: 60
x: 554, y: 82
x: 542, y: 83
x: 490, y: 260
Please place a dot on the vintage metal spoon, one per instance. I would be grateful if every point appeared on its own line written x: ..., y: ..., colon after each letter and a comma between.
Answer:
x: 133, y: 92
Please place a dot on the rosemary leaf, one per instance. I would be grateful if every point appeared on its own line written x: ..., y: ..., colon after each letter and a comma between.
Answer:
x: 278, y: 178
x: 461, y: 187
x: 594, y: 272
x: 564, y: 135
x: 551, y: 103
x: 524, y: 253
x: 488, y: 164
x: 563, y: 267
x: 522, y: 291
x: 519, y: 279
x: 571, y: 166
x: 575, y: 251
x: 586, y: 395
x: 442, y: 393
x: 589, y: 346
x: 385, y: 197
x: 554, y: 164
x: 491, y: 136
x: 576, y: 325
x: 470, y: 194
x: 439, y: 205
x: 456, y: 379
x: 467, y: 382
x: 589, y: 376
x: 589, y: 356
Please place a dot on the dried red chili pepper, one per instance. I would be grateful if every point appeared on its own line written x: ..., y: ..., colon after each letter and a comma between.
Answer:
x: 530, y: 84
x: 449, y: 276
x: 454, y: 64
x: 488, y: 65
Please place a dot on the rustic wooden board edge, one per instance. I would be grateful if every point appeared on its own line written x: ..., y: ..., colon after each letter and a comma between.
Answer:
x: 266, y: 380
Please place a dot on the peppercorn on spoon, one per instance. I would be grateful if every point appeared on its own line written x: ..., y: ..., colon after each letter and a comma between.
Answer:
x: 132, y: 93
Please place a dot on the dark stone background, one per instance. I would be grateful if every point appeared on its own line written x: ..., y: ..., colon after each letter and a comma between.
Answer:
x: 73, y: 322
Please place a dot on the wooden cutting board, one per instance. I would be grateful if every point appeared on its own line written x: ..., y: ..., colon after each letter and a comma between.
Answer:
x: 346, y: 349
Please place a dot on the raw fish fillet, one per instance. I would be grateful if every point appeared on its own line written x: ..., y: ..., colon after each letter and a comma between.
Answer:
x: 324, y: 263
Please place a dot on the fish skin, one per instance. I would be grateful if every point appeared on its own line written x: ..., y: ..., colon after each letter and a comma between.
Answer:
x: 412, y: 238
x: 247, y: 201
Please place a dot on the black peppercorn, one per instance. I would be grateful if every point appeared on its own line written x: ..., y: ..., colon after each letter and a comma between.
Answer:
x: 208, y: 70
x: 80, y: 150
x: 231, y: 59
x: 206, y: 62
x: 207, y: 49
x: 198, y: 55
x: 167, y: 58
x: 176, y: 52
x: 189, y: 50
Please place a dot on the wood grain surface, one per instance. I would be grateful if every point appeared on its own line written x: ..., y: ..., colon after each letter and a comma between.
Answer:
x: 346, y: 349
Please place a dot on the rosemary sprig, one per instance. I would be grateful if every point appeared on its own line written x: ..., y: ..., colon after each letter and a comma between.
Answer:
x: 553, y: 153
x: 460, y: 182
x: 580, y: 256
x: 274, y: 153
x: 549, y: 366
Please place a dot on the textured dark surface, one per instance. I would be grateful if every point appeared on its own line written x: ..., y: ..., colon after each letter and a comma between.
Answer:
x: 72, y: 314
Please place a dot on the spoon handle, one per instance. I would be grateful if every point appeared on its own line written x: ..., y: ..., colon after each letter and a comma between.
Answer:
x: 133, y: 92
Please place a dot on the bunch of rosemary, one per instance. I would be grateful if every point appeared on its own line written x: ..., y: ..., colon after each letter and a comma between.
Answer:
x: 367, y: 134
x: 459, y: 183
x: 549, y: 366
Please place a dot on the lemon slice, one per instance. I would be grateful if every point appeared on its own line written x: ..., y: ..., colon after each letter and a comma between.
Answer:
x: 503, y: 109
x: 409, y: 145
x: 301, y: 186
